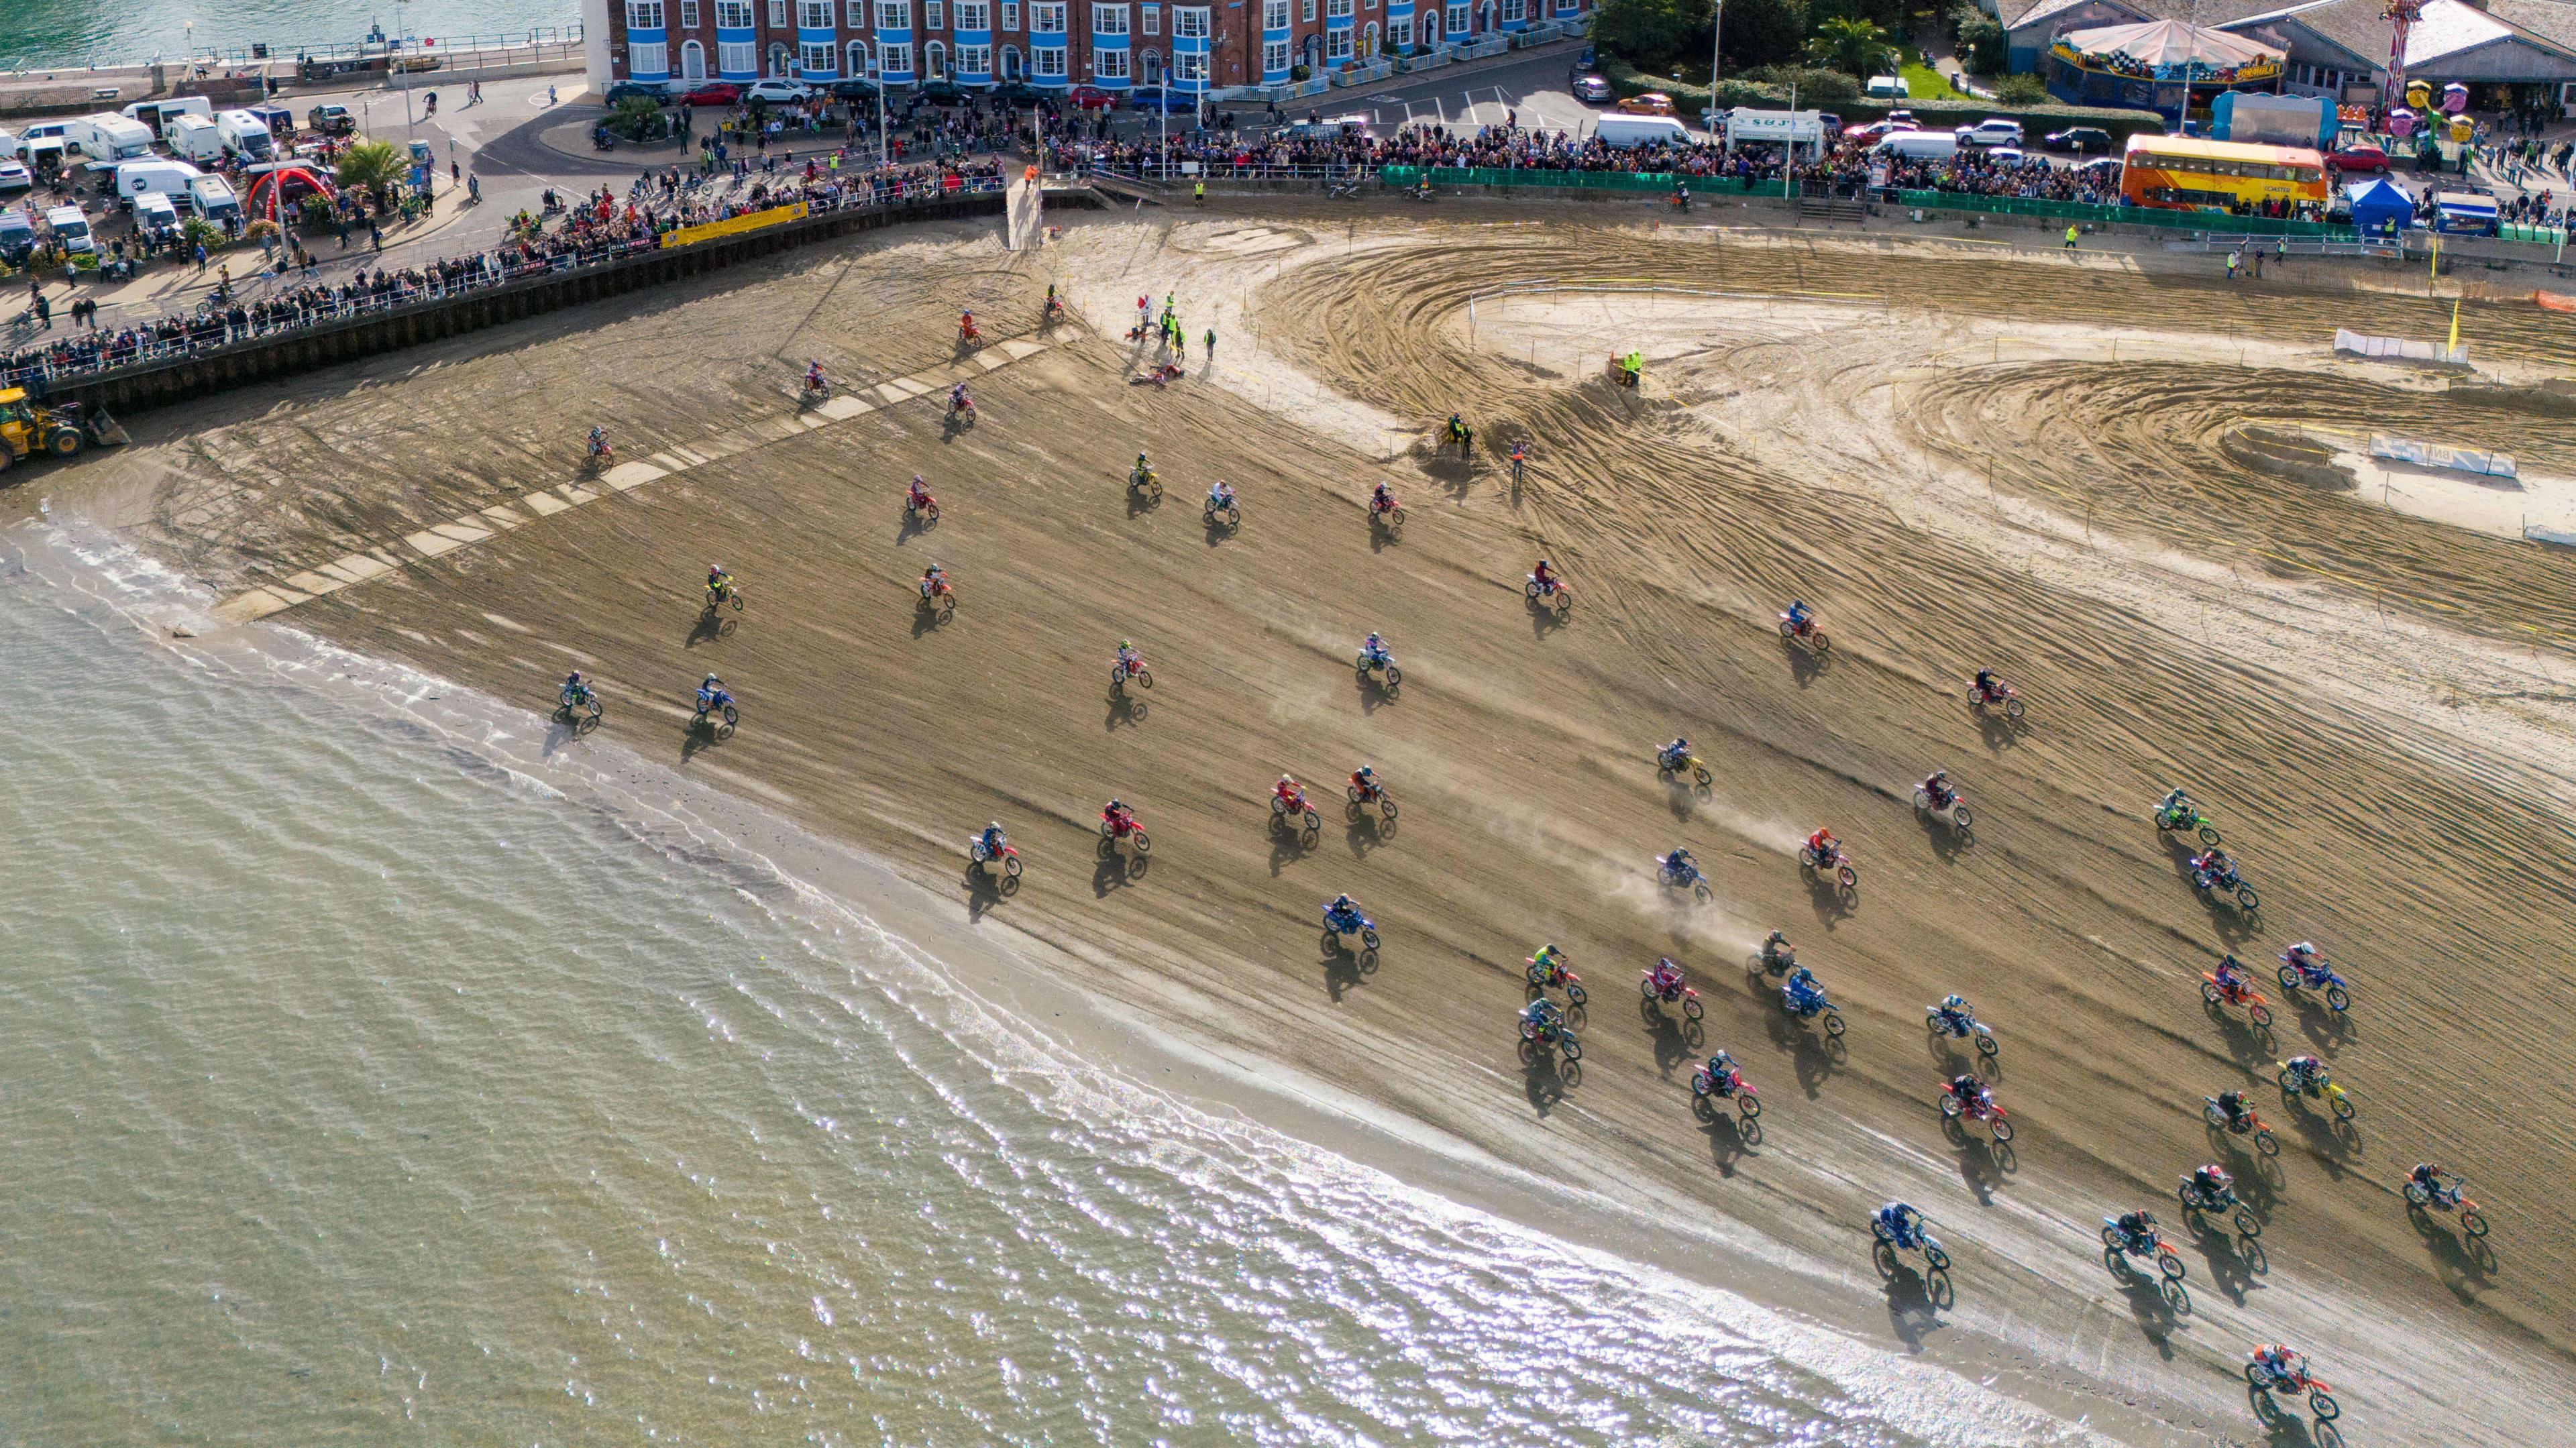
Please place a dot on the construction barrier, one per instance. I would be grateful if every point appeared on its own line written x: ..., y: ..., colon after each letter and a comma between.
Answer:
x: 734, y: 225
x: 2434, y: 455
x: 2399, y: 349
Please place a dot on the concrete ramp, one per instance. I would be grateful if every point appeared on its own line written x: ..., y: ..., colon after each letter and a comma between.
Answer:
x: 1023, y: 219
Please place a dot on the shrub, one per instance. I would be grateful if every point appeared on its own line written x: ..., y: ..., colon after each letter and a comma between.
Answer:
x: 2020, y: 90
x: 1820, y: 87
x: 1982, y: 49
x: 1651, y: 33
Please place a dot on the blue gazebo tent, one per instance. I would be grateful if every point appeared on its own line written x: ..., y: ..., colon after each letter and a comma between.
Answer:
x: 2380, y: 207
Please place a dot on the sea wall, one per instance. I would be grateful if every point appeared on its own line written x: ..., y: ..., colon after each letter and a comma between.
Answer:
x: 164, y: 381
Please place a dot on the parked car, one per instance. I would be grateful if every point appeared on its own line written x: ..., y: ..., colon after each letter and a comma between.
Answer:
x: 1905, y: 115
x: 2082, y: 140
x: 1016, y: 93
x: 635, y: 89
x: 2103, y: 171
x: 331, y: 120
x: 2359, y: 158
x: 853, y: 90
x: 1875, y: 131
x: 1591, y: 89
x: 2004, y: 155
x: 1651, y: 103
x: 942, y: 93
x: 1171, y: 102
x: 775, y: 91
x: 71, y: 229
x: 14, y: 176
x: 1992, y: 131
x: 1089, y: 98
x: 713, y: 93
x: 1830, y: 122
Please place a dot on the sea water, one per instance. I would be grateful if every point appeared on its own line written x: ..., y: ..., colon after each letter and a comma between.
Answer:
x: 358, y: 1088
x: 40, y: 33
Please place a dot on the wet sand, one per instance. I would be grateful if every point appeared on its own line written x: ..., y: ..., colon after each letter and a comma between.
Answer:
x: 2374, y: 708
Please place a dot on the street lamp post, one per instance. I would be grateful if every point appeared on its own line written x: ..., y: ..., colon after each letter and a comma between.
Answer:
x: 401, y: 29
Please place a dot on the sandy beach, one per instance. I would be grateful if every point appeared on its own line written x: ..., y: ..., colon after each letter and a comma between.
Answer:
x: 1960, y: 455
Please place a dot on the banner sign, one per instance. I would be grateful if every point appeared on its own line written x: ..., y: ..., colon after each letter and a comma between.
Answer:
x: 733, y: 225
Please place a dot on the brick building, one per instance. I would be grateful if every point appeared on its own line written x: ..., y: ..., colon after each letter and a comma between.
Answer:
x: 1117, y: 45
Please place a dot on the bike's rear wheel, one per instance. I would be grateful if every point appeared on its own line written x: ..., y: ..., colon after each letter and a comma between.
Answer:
x: 2111, y: 1238
x: 1701, y: 1085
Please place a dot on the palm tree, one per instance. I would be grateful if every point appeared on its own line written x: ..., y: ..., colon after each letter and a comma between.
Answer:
x: 1848, y: 44
x: 374, y: 165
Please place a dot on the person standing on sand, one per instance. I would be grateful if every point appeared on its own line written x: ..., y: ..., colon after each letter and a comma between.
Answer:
x: 2235, y: 259
x: 2070, y: 236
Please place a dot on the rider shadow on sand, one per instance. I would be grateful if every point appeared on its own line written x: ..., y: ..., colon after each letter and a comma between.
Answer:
x: 1116, y: 870
x: 1373, y: 695
x: 1365, y: 832
x: 1675, y: 1041
x: 1287, y: 846
x: 927, y: 620
x: 1124, y: 708
x: 1731, y: 1137
x: 1955, y: 1061
x: 1998, y: 732
x: 2234, y: 1261
x: 2157, y: 1316
x: 1805, y: 667
x: 1947, y: 841
x: 1913, y: 1311
x: 1543, y: 1081
x: 1831, y: 901
x: 2248, y: 1045
x: 2333, y: 1143
x: 2283, y: 1429
x: 2467, y: 1268
x: 2326, y: 1028
x: 1983, y: 1164
x: 710, y: 626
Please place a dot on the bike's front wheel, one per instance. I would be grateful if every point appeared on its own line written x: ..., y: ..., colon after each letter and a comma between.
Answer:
x: 1936, y: 1259
x: 2012, y: 708
x: 2473, y: 1221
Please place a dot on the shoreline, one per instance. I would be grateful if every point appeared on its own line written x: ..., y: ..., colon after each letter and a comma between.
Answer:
x: 876, y: 756
x: 1018, y: 975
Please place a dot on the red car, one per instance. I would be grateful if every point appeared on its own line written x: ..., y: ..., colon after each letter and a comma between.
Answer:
x: 1089, y: 98
x: 1875, y: 131
x: 713, y: 93
x: 2359, y: 158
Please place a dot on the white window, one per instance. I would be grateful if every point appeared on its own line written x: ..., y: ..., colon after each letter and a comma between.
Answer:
x: 1399, y: 33
x: 1306, y: 12
x: 650, y: 57
x: 858, y: 59
x: 974, y: 60
x: 1189, y: 66
x: 1274, y: 57
x: 1153, y: 15
x: 1047, y: 61
x: 974, y: 15
x: 895, y: 59
x: 934, y: 14
x: 1457, y: 19
x: 858, y: 14
x: 688, y: 14
x: 814, y: 59
x: 1190, y: 22
x: 1108, y: 19
x: 1338, y: 9
x: 1514, y: 11
x: 1337, y: 45
x: 737, y: 57
x: 813, y: 14
x: 643, y: 14
x: 778, y: 14
x: 1110, y: 64
x: 894, y: 14
x: 1010, y: 14
x: 733, y: 14
x: 1047, y: 19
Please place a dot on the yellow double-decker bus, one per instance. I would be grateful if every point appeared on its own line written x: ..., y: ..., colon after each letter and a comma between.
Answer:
x: 2178, y: 173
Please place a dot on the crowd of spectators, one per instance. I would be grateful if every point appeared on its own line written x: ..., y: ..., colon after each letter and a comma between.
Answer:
x: 597, y: 228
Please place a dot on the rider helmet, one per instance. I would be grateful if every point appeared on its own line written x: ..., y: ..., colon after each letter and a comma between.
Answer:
x: 1288, y: 779
x: 1954, y: 1002
x: 712, y: 682
x: 1115, y: 806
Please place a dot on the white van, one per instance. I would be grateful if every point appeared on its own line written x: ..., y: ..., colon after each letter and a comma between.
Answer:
x: 153, y: 214
x: 1621, y: 132
x: 159, y: 114
x: 71, y: 229
x: 1920, y: 145
x: 193, y: 138
x: 244, y: 135
x: 212, y: 198
x: 108, y: 136
x: 153, y: 176
x: 1887, y: 88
